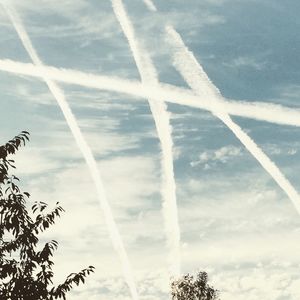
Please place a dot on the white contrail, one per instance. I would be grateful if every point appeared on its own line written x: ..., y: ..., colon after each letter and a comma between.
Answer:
x: 185, y: 62
x: 150, y: 5
x: 84, y: 148
x: 162, y: 121
x: 272, y: 113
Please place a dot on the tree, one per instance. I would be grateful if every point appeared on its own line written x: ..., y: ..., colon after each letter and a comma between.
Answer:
x: 189, y: 287
x: 25, y: 272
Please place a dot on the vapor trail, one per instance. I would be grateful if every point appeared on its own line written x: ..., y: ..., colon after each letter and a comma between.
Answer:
x: 150, y: 5
x: 162, y: 121
x: 83, y: 146
x: 272, y: 113
x: 197, y: 79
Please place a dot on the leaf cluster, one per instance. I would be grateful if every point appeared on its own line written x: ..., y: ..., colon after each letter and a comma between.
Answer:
x: 26, y: 272
x: 190, y: 287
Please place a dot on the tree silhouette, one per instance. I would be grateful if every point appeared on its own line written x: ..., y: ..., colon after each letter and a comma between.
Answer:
x: 25, y: 272
x: 189, y: 287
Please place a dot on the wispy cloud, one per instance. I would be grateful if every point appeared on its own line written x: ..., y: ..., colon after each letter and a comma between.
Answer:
x: 246, y: 62
x: 139, y: 219
x: 209, y: 158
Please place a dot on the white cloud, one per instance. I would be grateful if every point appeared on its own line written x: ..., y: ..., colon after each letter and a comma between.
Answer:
x: 76, y: 22
x: 246, y: 61
x: 48, y: 158
x: 210, y: 158
x: 151, y: 285
x: 33, y: 161
x: 131, y: 184
x: 281, y: 149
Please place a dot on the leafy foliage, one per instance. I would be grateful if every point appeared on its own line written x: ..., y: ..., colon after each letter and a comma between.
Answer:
x: 193, y: 288
x: 25, y: 272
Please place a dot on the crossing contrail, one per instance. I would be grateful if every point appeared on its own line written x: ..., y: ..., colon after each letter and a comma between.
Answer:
x: 162, y: 122
x: 83, y: 146
x: 260, y: 111
x: 193, y: 73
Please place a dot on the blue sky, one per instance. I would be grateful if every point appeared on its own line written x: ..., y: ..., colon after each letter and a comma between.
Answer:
x: 235, y: 222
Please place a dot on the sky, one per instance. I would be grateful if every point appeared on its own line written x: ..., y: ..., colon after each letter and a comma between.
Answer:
x: 235, y: 221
